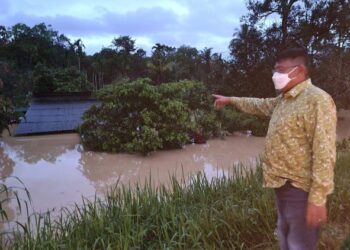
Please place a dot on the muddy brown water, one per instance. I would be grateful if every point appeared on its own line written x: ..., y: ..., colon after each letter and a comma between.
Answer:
x: 57, y: 171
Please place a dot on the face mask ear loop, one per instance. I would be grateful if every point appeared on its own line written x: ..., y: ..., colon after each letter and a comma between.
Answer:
x: 291, y: 72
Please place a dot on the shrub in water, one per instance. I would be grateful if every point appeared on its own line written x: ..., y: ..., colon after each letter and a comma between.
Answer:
x: 140, y: 117
x: 137, y: 117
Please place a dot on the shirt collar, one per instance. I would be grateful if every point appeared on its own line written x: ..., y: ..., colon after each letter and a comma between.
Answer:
x: 296, y: 90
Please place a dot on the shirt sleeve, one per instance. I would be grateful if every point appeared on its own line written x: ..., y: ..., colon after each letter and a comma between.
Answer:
x: 323, y: 129
x: 256, y: 106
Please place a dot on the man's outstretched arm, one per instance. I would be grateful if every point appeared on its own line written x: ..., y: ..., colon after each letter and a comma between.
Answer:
x: 262, y: 107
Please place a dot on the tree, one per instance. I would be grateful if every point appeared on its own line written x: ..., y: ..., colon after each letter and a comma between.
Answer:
x: 250, y: 73
x: 186, y: 63
x: 4, y: 36
x: 124, y: 47
x: 286, y: 9
x: 205, y: 57
x: 139, y: 64
x: 161, y: 63
x: 78, y: 49
x: 8, y: 115
x: 43, y: 79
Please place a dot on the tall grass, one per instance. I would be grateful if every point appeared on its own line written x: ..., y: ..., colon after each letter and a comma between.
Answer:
x: 338, y: 227
x: 229, y: 212
x: 8, y: 194
x: 225, y: 213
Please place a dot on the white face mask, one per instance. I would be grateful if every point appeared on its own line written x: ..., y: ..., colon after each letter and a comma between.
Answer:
x: 281, y: 80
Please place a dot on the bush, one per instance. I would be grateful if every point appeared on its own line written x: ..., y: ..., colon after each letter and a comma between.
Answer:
x: 137, y: 117
x: 8, y: 115
x: 140, y: 117
x: 233, y: 120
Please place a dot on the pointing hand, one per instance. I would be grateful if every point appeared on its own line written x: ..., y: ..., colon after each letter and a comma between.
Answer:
x: 220, y: 101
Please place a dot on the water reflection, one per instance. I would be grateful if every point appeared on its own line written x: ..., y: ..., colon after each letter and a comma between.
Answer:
x: 104, y: 169
x: 6, y: 163
x: 42, y: 148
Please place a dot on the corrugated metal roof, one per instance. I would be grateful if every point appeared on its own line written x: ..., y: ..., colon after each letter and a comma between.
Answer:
x: 51, y: 115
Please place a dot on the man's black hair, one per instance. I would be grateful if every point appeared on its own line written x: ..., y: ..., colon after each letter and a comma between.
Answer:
x: 293, y: 53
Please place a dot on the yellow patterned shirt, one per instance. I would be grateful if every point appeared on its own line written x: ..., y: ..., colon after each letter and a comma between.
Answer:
x: 300, y: 142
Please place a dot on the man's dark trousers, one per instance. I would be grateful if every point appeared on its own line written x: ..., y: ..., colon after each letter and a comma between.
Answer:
x: 292, y: 232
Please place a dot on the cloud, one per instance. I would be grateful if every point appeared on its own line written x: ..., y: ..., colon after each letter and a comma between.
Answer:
x: 4, y: 6
x: 191, y: 22
x: 142, y: 21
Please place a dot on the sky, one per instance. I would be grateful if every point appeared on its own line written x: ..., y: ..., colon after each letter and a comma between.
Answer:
x: 196, y: 23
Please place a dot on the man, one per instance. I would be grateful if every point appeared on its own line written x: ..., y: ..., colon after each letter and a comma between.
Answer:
x: 300, y: 148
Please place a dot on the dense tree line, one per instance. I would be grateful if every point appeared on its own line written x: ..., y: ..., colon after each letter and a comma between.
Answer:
x: 30, y: 57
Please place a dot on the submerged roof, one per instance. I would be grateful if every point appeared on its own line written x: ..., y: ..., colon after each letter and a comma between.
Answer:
x: 52, y: 115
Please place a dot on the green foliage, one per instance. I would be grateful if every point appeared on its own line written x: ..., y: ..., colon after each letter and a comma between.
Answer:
x: 321, y: 27
x: 137, y: 116
x: 43, y: 79
x: 8, y: 115
x: 48, y: 80
x: 341, y: 197
x: 339, y: 201
x: 233, y: 120
x: 16, y: 84
x: 200, y: 103
x: 71, y: 80
x: 207, y: 124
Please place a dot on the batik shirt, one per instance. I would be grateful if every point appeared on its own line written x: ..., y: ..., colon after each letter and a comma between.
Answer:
x: 300, y: 142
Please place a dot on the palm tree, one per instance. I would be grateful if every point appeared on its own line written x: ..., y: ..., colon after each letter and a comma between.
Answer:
x: 77, y: 48
x: 160, y: 62
x: 205, y: 61
x: 124, y: 46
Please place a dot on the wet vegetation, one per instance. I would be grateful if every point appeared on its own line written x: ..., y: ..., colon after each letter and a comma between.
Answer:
x: 136, y: 116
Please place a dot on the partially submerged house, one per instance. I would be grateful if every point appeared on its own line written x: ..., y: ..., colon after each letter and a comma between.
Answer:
x: 55, y: 113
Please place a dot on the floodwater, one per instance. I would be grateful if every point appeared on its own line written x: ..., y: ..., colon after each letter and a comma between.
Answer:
x: 57, y: 171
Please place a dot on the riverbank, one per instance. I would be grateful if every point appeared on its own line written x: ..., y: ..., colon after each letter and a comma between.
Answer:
x: 232, y: 212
